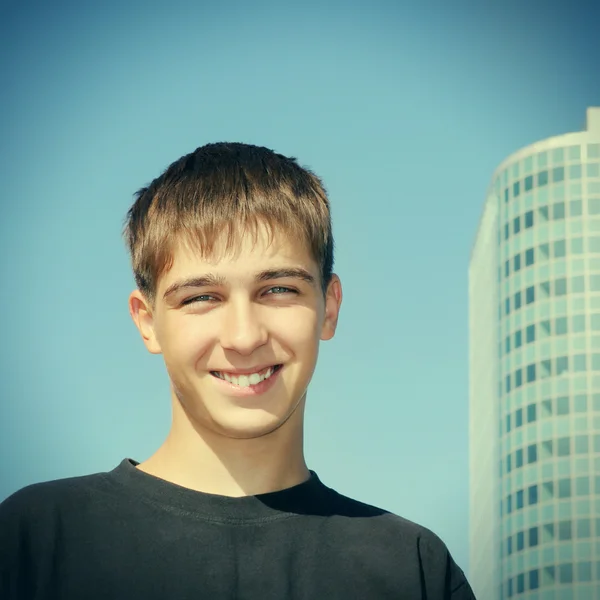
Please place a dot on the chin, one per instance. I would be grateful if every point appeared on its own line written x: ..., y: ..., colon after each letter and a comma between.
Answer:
x: 250, y: 427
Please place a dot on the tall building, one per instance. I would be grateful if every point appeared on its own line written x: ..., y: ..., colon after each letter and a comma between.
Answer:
x: 534, y: 320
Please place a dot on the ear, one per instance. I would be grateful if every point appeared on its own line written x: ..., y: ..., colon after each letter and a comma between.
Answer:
x: 333, y: 302
x: 141, y: 313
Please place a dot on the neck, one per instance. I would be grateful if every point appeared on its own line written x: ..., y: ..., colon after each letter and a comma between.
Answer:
x: 208, y: 462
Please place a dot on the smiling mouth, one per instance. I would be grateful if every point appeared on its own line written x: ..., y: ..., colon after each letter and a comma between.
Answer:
x: 247, y: 379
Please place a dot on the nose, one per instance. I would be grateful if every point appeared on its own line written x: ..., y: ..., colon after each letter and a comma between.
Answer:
x: 242, y: 329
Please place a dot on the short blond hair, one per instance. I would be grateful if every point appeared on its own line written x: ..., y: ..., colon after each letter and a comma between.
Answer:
x: 225, y: 188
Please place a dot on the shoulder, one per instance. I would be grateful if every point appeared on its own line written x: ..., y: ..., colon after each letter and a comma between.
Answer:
x: 394, y: 523
x: 46, y: 500
x: 405, y: 542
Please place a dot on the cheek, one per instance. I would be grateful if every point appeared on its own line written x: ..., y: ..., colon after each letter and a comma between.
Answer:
x: 186, y: 340
x: 300, y: 329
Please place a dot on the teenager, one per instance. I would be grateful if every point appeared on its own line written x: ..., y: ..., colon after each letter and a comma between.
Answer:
x: 232, y: 252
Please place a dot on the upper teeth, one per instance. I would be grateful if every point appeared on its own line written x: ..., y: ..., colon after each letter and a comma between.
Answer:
x: 246, y: 380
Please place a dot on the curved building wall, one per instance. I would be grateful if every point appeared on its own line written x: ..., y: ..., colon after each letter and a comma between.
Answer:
x: 547, y: 404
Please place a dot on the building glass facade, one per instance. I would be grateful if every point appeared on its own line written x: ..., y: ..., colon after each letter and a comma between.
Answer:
x: 545, y: 528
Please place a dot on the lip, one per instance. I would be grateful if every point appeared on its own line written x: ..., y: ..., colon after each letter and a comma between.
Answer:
x: 252, y: 390
x: 236, y: 372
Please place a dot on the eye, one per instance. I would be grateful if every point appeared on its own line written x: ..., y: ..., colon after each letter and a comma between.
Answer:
x: 195, y: 299
x: 278, y: 290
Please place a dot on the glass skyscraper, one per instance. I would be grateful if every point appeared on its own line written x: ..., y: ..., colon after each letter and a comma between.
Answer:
x: 534, y: 328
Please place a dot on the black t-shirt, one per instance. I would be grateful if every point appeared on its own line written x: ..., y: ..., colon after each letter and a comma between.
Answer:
x: 125, y: 535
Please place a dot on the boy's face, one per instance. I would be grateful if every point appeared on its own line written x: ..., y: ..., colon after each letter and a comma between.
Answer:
x: 226, y: 323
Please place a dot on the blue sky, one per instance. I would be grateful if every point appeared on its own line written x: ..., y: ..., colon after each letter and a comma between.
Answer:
x: 404, y: 109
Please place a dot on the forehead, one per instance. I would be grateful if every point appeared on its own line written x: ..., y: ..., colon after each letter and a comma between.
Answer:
x: 243, y: 253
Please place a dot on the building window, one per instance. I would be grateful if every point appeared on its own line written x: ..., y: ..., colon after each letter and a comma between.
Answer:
x: 545, y: 287
x: 584, y: 528
x: 564, y: 446
x: 578, y: 325
x: 534, y: 579
x: 560, y: 286
x: 519, y: 458
x: 558, y: 211
x: 577, y: 284
x: 562, y: 405
x: 582, y: 445
x: 520, y: 583
x: 592, y: 170
x: 584, y: 571
x: 582, y: 486
x: 575, y: 171
x: 560, y: 326
x: 530, y: 334
x: 581, y: 404
x: 565, y: 573
x: 507, y: 306
x: 575, y: 208
x: 594, y: 206
x: 560, y: 249
x: 533, y: 537
x: 593, y: 151
x: 529, y: 257
x: 515, y: 189
x: 531, y: 408
x: 564, y: 488
x: 542, y: 178
x: 548, y: 532
x: 519, y: 501
x: 547, y: 408
x: 547, y: 449
x: 532, y: 493
x: 594, y: 244
x: 517, y: 225
x: 517, y: 300
x: 577, y: 245
x: 528, y: 183
x: 558, y: 174
x: 564, y: 531
x: 528, y: 219
x: 519, y: 417
x: 506, y: 231
x: 562, y: 364
x: 518, y: 378
x: 545, y: 369
x: 530, y: 295
x: 518, y: 339
x: 517, y: 262
x: 579, y: 363
x: 531, y: 378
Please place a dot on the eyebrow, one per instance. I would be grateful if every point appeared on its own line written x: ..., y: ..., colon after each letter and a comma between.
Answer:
x: 210, y: 279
